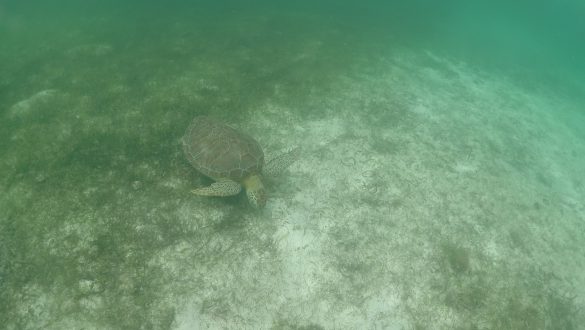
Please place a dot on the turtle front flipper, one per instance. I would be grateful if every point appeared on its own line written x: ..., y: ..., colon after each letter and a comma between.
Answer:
x: 279, y: 163
x: 221, y: 188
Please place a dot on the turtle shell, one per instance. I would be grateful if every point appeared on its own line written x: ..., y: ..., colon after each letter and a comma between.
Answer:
x: 219, y: 151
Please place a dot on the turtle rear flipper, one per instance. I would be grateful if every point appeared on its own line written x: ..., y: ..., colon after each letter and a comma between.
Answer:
x: 280, y: 163
x: 222, y: 188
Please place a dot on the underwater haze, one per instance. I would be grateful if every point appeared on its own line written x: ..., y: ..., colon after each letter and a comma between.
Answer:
x: 440, y: 182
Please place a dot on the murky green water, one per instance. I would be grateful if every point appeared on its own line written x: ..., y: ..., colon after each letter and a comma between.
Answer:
x: 440, y: 184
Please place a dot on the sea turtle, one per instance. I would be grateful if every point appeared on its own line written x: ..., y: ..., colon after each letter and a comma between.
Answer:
x: 231, y: 158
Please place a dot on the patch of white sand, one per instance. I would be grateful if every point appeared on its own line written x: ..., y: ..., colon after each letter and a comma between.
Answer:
x: 27, y: 106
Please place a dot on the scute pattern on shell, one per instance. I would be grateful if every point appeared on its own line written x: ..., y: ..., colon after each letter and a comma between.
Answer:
x: 219, y: 151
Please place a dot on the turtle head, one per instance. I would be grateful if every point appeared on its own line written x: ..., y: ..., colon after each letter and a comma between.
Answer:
x: 255, y: 191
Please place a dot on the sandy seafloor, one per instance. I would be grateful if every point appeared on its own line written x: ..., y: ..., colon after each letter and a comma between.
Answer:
x: 430, y: 194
